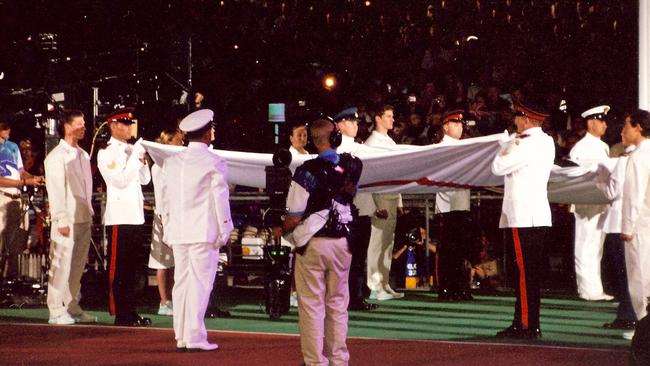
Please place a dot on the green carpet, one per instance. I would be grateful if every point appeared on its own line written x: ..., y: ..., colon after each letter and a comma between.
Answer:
x: 419, y: 316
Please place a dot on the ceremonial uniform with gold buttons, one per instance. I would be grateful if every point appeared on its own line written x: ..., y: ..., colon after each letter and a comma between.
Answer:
x: 124, y: 171
x: 525, y: 161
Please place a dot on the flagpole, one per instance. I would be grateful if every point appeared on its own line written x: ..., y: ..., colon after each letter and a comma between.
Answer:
x: 644, y: 54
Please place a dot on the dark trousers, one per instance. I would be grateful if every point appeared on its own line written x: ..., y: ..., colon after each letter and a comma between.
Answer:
x: 452, y: 252
x: 615, y: 255
x: 359, y: 238
x: 124, y: 242
x: 528, y: 244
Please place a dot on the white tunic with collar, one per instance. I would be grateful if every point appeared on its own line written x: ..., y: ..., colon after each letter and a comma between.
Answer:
x: 377, y: 139
x: 69, y: 185
x: 124, y: 174
x: 526, y: 164
x: 636, y: 192
x: 195, y: 206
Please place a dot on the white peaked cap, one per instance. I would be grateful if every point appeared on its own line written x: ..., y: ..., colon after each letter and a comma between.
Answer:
x: 196, y: 120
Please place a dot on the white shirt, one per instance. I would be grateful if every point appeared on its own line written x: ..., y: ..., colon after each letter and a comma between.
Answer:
x: 195, y: 206
x: 636, y: 191
x: 377, y: 139
x: 525, y: 163
x: 363, y: 201
x: 611, y: 184
x: 295, y: 151
x: 589, y: 151
x: 124, y: 173
x: 456, y: 200
x: 69, y: 185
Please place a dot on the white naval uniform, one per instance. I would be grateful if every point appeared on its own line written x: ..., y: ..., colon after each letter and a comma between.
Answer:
x: 589, y: 234
x: 196, y: 216
x: 636, y: 222
x: 69, y: 190
x: 380, y: 248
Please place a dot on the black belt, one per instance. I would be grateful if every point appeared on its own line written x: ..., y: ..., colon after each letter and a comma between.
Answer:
x: 12, y: 196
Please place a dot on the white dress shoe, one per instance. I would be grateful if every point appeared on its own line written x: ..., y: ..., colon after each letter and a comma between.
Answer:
x: 202, y: 347
x: 628, y: 335
x: 601, y: 297
x: 395, y: 294
x: 63, y: 319
x: 85, y: 318
x: 381, y: 295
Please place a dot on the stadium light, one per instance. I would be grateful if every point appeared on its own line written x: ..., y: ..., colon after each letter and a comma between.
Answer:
x: 329, y: 82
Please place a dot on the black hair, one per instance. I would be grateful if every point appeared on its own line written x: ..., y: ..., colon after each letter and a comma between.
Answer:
x: 66, y: 117
x: 641, y: 118
x: 198, y: 134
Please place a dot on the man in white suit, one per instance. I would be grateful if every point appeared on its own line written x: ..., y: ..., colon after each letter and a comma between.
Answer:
x: 69, y: 190
x: 196, y: 217
x: 525, y: 161
x: 382, y: 233
x: 124, y: 170
x: 589, y: 234
x: 635, y: 229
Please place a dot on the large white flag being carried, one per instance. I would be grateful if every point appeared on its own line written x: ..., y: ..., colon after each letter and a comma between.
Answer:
x: 415, y: 169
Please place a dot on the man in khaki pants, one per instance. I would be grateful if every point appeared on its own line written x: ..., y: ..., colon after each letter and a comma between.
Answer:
x: 389, y: 206
x: 319, y: 202
x: 69, y: 189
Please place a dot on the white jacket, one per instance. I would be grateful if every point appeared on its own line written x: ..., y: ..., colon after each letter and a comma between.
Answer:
x: 69, y: 185
x: 195, y: 206
x: 526, y: 163
x: 124, y: 173
x: 636, y: 191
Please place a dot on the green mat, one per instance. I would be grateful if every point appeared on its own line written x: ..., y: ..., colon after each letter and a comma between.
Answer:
x: 418, y: 316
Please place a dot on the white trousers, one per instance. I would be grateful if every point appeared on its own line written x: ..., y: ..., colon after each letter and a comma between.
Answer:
x: 637, y: 261
x: 589, y: 239
x: 380, y: 245
x: 322, y: 283
x: 68, y: 257
x: 196, y: 266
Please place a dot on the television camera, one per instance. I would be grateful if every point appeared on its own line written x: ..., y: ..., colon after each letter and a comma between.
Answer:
x: 277, y: 281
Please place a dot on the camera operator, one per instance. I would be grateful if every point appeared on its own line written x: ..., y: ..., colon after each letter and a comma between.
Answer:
x: 319, y: 201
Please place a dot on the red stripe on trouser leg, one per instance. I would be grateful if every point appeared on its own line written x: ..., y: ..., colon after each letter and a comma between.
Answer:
x: 523, y: 296
x: 111, y: 274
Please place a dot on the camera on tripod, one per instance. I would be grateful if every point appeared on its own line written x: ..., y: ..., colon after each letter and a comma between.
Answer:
x: 277, y: 282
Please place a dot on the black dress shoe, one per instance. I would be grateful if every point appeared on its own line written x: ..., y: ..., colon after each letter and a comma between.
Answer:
x: 518, y: 333
x: 445, y: 295
x: 620, y: 324
x: 136, y: 321
x: 361, y: 305
x: 217, y: 313
x: 463, y: 296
